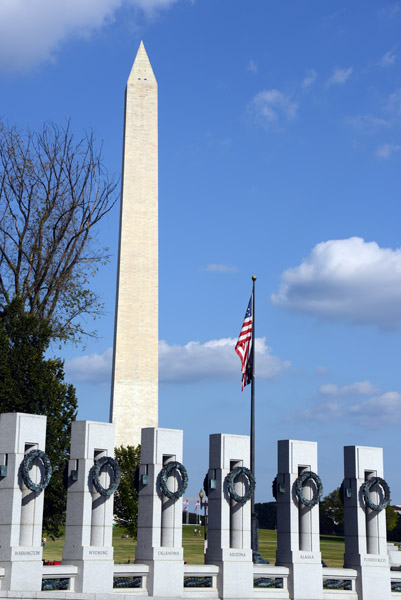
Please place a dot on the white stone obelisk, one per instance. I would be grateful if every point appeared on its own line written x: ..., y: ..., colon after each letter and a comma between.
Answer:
x: 134, y: 394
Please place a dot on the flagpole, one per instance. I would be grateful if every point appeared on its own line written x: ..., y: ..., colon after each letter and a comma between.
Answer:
x: 254, y: 531
x: 256, y: 557
x: 253, y: 392
x: 245, y: 348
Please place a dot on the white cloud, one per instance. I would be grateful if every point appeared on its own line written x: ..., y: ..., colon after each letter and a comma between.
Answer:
x: 321, y: 369
x: 394, y: 103
x: 375, y: 412
x: 32, y: 31
x: 322, y: 413
x: 367, y: 123
x: 270, y: 107
x: 218, y: 268
x: 252, y: 66
x: 388, y: 59
x: 386, y: 150
x: 359, y: 388
x: 215, y: 359
x: 310, y: 79
x: 378, y: 411
x: 150, y: 6
x: 349, y: 279
x: 391, y: 10
x: 213, y: 140
x: 91, y: 368
x: 340, y: 76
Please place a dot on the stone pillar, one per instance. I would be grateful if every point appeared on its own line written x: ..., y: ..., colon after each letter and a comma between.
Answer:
x: 21, y: 510
x: 364, y: 528
x: 229, y: 522
x: 88, y: 534
x: 298, y: 545
x: 160, y: 518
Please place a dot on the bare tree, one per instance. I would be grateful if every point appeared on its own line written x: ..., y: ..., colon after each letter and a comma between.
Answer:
x: 54, y: 190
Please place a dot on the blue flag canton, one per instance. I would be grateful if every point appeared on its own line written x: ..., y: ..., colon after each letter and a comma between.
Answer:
x: 249, y: 310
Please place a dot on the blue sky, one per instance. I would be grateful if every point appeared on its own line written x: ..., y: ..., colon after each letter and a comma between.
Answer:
x: 280, y: 153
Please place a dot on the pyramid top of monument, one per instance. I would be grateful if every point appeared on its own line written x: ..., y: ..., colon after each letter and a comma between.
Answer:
x: 141, y: 69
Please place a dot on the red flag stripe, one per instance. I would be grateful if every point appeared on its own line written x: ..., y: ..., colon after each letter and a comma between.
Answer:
x: 244, y: 343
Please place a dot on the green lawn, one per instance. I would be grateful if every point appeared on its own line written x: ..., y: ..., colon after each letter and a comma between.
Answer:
x: 332, y: 548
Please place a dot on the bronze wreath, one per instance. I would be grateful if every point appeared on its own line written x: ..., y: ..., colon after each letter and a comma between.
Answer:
x: 341, y: 492
x: 97, y: 469
x: 233, y: 477
x: 299, y: 484
x: 166, y: 472
x: 27, y: 465
x: 206, y: 484
x: 275, y: 488
x: 366, y: 488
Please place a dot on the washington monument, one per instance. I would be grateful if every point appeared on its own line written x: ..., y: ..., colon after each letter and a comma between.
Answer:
x: 134, y: 392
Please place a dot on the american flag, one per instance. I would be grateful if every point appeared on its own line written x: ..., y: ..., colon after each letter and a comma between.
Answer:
x: 244, y: 345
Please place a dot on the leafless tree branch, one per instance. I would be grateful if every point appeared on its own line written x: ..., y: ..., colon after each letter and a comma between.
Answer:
x: 54, y: 190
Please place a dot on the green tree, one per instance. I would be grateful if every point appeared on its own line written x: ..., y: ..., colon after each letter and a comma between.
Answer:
x: 54, y: 190
x: 32, y: 383
x: 267, y: 514
x: 391, y: 518
x: 126, y: 495
x: 394, y: 534
x: 332, y: 514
